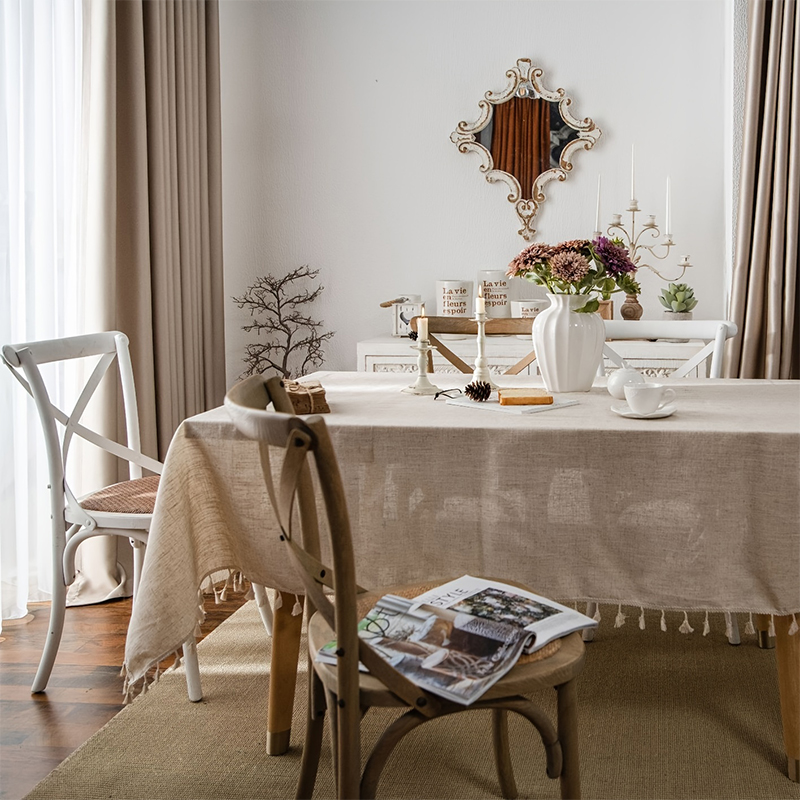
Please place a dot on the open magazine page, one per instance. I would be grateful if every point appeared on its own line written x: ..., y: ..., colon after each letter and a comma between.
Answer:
x: 460, y: 638
x: 501, y: 602
x: 449, y: 653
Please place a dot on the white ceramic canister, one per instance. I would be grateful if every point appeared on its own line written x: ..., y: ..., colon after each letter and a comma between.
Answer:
x: 454, y: 299
x: 495, y: 292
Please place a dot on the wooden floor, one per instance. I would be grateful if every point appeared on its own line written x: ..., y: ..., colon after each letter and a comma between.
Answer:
x: 37, y: 732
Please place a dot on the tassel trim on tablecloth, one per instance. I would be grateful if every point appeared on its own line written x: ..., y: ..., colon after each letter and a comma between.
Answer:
x: 686, y: 627
x: 235, y: 581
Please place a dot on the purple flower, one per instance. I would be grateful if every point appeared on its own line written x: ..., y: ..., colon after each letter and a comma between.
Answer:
x: 613, y: 256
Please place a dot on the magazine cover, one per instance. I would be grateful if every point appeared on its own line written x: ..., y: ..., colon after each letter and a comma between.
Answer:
x: 460, y: 638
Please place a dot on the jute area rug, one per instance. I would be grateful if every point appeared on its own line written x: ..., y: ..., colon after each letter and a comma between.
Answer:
x: 662, y: 715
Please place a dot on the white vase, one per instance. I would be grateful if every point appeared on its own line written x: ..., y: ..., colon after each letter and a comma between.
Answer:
x: 568, y: 344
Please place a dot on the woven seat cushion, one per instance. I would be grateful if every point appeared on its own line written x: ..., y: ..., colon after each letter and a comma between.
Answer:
x: 365, y: 602
x: 129, y: 497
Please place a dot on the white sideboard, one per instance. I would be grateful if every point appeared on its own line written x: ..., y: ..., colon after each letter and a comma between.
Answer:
x: 395, y: 354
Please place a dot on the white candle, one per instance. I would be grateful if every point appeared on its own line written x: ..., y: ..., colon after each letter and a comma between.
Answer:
x: 480, y: 303
x: 633, y: 172
x: 422, y: 325
x: 668, y: 224
x: 597, y: 214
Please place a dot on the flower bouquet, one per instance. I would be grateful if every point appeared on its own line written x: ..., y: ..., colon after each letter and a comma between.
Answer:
x: 579, y: 266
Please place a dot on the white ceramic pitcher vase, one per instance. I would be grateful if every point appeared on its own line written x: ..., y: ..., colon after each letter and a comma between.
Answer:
x: 568, y: 345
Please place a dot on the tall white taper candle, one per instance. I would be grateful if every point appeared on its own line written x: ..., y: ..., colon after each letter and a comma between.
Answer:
x: 668, y: 220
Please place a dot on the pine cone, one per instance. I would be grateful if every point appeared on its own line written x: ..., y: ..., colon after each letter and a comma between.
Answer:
x: 412, y: 335
x: 478, y: 390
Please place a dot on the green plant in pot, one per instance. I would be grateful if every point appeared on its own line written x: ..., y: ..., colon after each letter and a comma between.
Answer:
x: 679, y: 300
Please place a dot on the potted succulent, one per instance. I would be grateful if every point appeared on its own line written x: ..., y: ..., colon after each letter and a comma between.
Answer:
x: 679, y: 300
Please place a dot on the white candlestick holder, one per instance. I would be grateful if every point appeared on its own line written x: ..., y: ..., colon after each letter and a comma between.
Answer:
x: 422, y: 385
x: 481, y: 371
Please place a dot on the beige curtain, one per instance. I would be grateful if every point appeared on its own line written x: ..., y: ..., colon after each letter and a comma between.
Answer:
x: 152, y: 223
x: 764, y: 297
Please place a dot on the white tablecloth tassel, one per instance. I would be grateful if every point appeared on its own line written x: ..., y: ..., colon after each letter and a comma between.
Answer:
x: 771, y: 631
x: 641, y: 619
x: 728, y: 627
x: 685, y: 626
x: 793, y: 626
x: 750, y: 628
x: 663, y: 621
x: 278, y: 600
x: 619, y: 621
x: 596, y: 616
x: 706, y: 626
x: 296, y: 608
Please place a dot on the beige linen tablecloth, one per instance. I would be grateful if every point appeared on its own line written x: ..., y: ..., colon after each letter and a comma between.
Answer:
x: 695, y: 511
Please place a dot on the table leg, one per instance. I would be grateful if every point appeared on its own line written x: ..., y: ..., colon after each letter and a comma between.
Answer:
x: 787, y: 654
x: 765, y: 641
x: 283, y: 674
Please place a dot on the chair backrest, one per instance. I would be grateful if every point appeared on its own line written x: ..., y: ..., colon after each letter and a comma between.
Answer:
x: 497, y: 326
x: 713, y: 332
x: 289, y: 486
x: 24, y: 361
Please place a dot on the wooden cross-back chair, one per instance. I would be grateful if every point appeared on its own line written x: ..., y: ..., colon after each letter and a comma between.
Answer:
x: 341, y: 690
x: 506, y: 326
x: 123, y: 509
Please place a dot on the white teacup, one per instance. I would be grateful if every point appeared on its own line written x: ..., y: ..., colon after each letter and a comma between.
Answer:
x: 646, y: 398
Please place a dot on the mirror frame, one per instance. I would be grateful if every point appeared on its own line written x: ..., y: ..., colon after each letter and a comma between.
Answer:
x: 520, y: 78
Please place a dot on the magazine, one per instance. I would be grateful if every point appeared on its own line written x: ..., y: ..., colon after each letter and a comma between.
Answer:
x: 460, y: 638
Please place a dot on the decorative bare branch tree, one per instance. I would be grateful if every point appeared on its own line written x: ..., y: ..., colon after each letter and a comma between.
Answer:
x: 293, y: 339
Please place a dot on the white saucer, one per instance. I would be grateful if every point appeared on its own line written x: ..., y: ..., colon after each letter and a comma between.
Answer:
x: 624, y: 411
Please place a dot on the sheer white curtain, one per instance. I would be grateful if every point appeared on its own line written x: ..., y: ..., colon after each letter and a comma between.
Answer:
x: 40, y: 108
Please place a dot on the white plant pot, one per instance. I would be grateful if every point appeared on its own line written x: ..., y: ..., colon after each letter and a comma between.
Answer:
x: 674, y: 316
x: 568, y: 345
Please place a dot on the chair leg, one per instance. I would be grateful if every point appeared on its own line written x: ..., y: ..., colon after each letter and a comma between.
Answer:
x: 138, y: 562
x: 192, y: 669
x: 383, y: 749
x: 591, y: 610
x: 264, y: 608
x: 333, y: 720
x: 502, y: 754
x: 765, y: 641
x: 315, y: 725
x: 58, y: 606
x: 733, y: 624
x: 568, y: 736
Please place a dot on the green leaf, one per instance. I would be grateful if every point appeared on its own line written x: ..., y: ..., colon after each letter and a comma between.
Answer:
x: 592, y: 304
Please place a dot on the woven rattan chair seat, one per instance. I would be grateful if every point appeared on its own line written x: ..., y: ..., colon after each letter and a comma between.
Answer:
x: 128, y: 497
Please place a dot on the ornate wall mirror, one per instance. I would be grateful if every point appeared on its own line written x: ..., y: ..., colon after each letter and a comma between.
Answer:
x: 525, y: 136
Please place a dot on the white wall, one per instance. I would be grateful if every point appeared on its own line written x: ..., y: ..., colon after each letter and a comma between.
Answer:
x: 336, y: 149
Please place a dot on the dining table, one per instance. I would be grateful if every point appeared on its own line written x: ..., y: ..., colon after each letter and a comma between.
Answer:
x: 696, y: 511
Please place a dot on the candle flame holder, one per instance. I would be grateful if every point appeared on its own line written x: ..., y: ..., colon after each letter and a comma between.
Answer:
x: 422, y: 385
x: 637, y: 248
x: 481, y: 371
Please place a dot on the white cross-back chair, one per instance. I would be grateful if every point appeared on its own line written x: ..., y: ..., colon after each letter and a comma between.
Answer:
x: 713, y: 332
x: 123, y: 509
